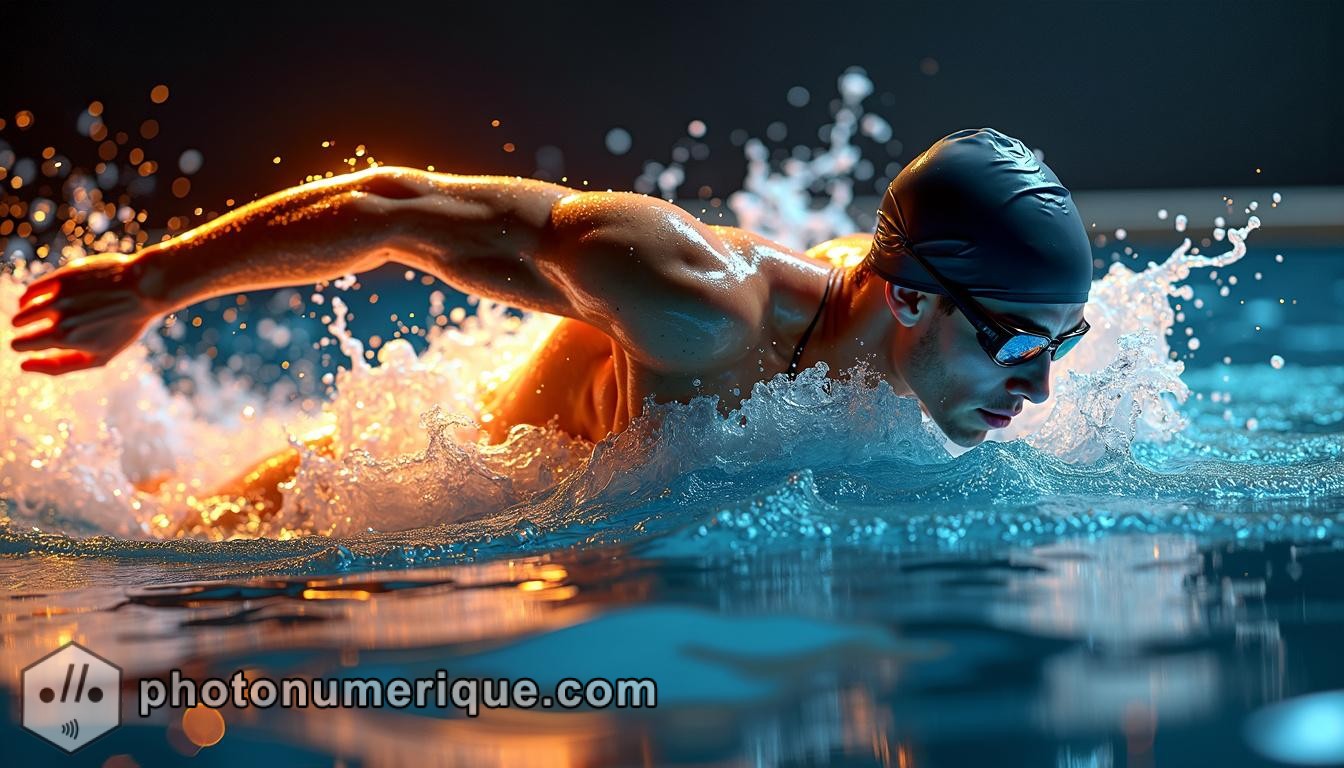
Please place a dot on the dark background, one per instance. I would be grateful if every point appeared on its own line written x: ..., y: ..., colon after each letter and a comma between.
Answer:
x: 1117, y: 94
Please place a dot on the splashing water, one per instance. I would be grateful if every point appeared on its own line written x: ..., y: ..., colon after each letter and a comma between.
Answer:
x: 807, y: 457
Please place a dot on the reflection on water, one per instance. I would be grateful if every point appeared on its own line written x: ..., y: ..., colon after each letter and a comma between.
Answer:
x: 1126, y: 649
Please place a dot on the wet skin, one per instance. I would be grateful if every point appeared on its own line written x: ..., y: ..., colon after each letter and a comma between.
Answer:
x: 656, y: 304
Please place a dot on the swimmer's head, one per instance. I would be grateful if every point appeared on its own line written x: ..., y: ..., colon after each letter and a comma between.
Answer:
x: 995, y: 222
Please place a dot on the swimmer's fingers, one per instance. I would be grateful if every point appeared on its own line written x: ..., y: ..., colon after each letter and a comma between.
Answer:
x: 34, y: 313
x: 62, y: 361
x: 74, y: 304
x: 41, y: 290
x: 42, y: 338
x: 92, y: 328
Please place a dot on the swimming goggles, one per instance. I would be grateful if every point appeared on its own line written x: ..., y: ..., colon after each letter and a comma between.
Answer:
x: 1006, y: 345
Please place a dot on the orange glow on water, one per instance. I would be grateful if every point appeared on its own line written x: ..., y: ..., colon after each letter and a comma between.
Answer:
x: 336, y: 594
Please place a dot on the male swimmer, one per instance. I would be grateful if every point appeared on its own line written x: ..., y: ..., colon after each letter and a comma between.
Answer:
x: 975, y: 280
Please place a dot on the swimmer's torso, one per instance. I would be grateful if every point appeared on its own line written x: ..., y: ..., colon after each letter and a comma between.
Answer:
x: 587, y: 385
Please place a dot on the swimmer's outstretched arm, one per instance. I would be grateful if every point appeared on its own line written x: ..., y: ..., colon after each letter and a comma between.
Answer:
x: 656, y: 279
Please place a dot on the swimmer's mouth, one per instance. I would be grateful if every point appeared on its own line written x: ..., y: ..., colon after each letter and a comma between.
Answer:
x: 994, y: 419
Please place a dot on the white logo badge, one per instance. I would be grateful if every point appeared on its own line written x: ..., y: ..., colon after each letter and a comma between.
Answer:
x: 71, y: 697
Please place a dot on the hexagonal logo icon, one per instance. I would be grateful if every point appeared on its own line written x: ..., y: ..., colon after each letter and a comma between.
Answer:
x: 71, y: 696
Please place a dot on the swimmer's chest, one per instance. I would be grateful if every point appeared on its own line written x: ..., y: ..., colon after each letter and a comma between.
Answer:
x: 586, y: 384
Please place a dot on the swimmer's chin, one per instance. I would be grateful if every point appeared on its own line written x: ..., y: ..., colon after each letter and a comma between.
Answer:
x: 969, y: 441
x: 966, y: 438
x: 963, y: 437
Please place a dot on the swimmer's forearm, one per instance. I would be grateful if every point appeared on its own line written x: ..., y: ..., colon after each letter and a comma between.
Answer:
x: 437, y: 222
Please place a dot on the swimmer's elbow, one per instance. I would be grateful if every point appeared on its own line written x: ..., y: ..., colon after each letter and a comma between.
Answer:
x: 390, y: 207
x: 390, y: 182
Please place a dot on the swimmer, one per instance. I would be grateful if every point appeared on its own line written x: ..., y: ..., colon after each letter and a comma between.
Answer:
x: 974, y: 282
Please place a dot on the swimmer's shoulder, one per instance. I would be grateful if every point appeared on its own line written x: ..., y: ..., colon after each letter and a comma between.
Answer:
x: 844, y: 251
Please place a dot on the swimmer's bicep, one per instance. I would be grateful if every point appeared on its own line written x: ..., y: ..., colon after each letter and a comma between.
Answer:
x: 658, y: 281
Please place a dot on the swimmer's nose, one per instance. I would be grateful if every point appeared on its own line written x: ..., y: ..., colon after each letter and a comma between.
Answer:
x: 1031, y: 380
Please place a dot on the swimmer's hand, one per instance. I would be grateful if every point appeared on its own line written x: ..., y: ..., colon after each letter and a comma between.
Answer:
x: 86, y: 312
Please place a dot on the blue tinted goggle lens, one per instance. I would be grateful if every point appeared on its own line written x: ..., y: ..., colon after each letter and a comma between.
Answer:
x: 1065, y: 346
x: 1021, y: 348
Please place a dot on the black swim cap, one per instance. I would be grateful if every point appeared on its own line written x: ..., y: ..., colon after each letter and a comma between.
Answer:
x: 989, y: 216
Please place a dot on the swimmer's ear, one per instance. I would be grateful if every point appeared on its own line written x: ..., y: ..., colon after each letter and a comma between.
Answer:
x: 907, y: 305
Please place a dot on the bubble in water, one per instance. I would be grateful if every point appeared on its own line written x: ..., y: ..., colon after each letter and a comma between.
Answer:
x: 1162, y: 214
x: 696, y: 129
x: 618, y: 141
x: 1181, y: 221
x: 1278, y: 198
x: 1121, y: 234
x: 1276, y: 361
x: 798, y: 96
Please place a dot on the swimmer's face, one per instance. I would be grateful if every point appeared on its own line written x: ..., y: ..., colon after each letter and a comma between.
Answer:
x: 961, y: 389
